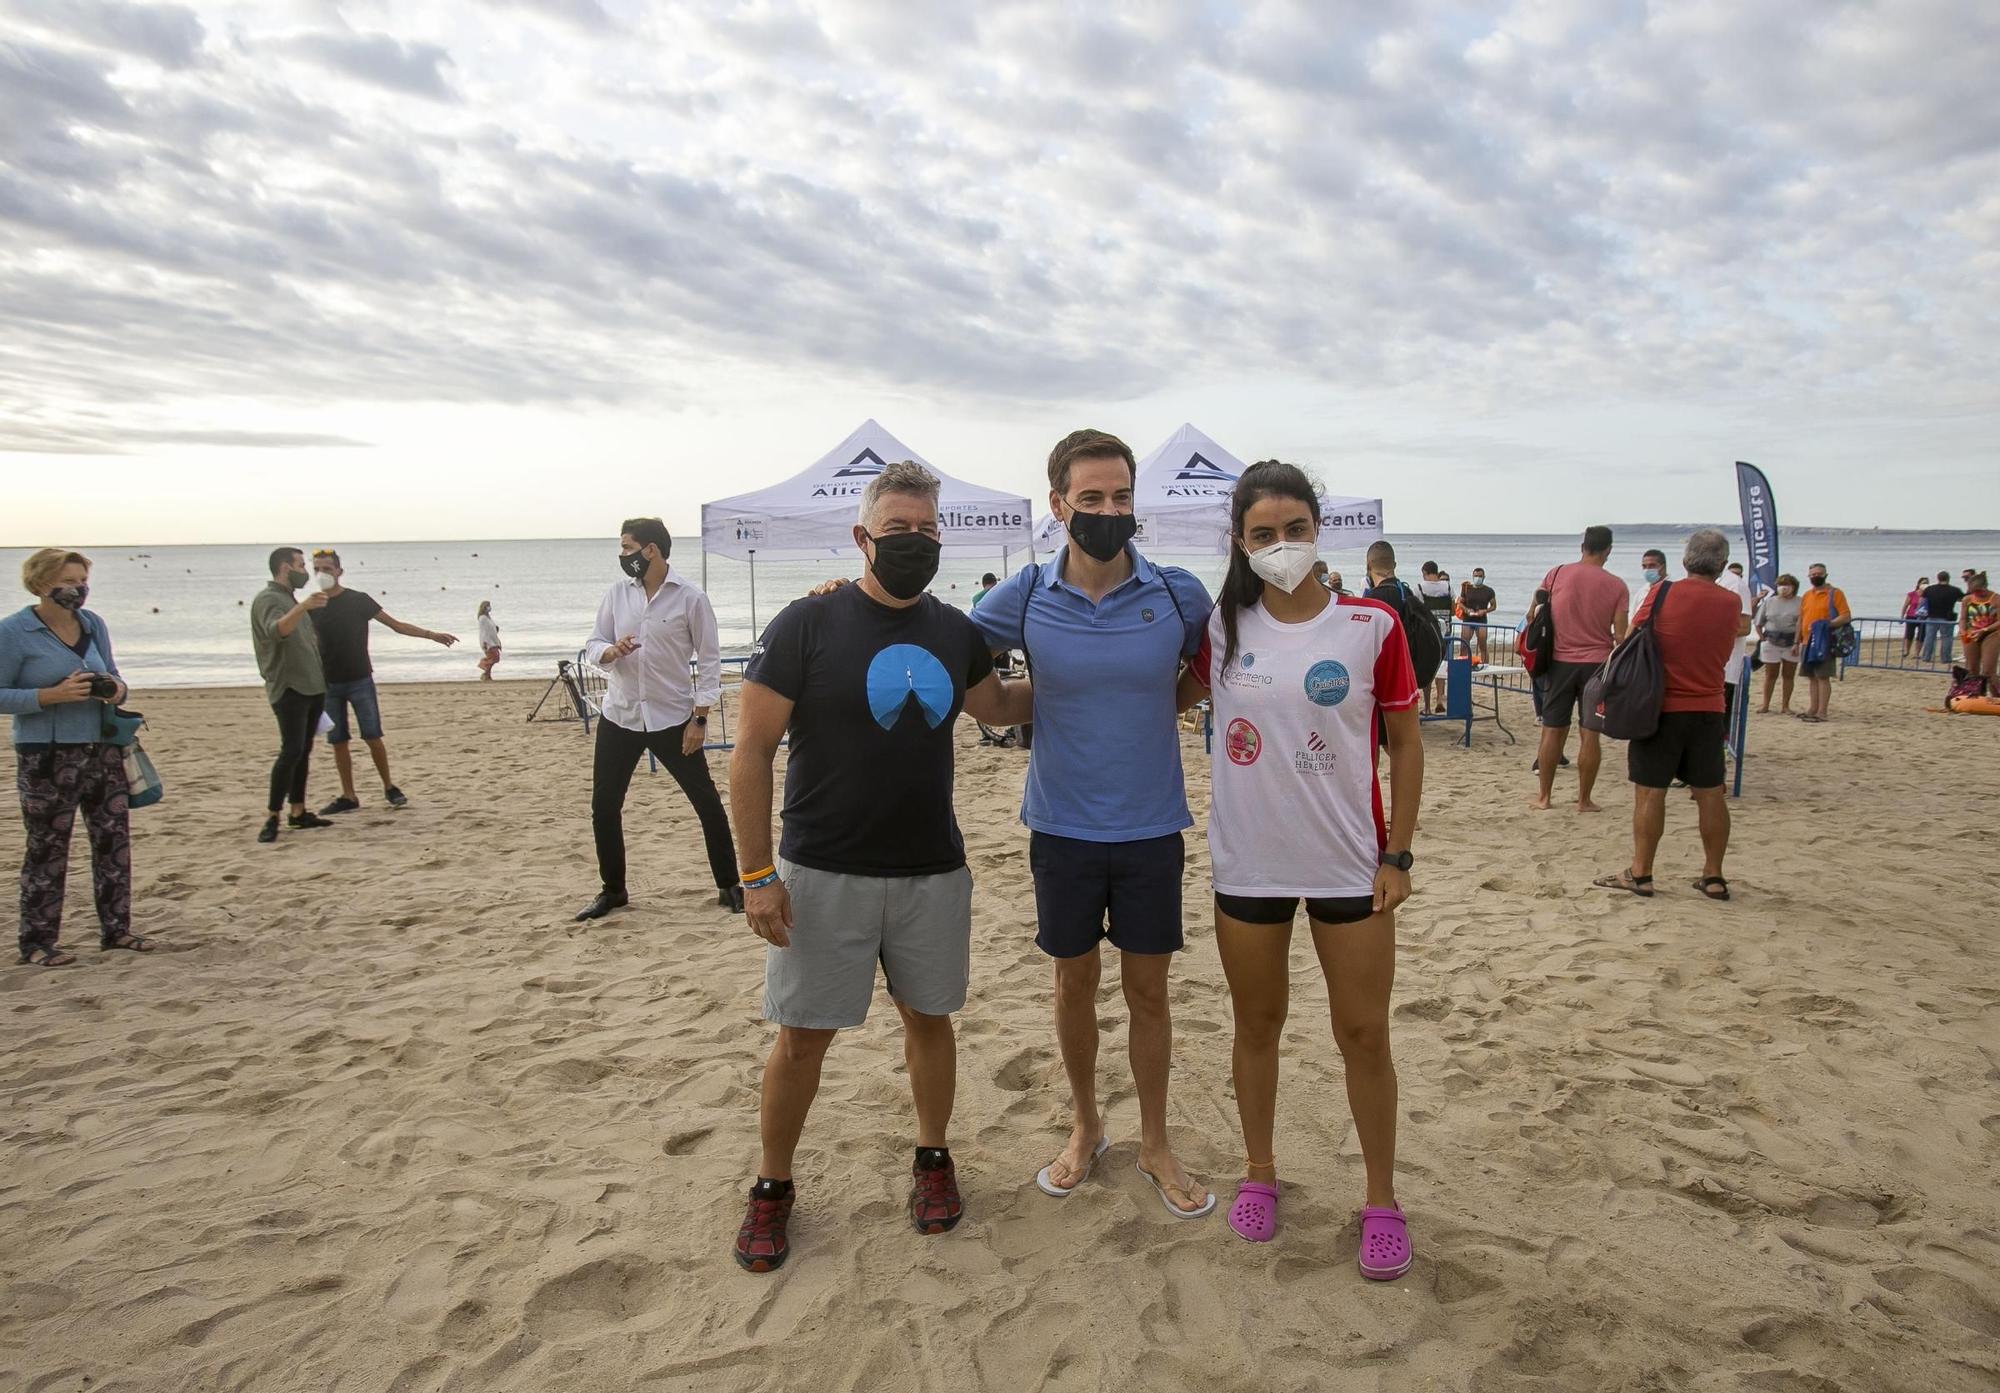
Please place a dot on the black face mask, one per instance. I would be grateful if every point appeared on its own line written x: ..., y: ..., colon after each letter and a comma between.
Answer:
x: 1102, y: 535
x: 1817, y: 581
x: 905, y: 562
x: 633, y: 563
x: 295, y: 580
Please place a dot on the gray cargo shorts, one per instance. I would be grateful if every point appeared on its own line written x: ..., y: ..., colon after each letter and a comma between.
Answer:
x: 918, y: 927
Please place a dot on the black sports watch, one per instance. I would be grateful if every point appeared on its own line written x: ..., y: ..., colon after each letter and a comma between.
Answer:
x: 701, y: 720
x: 1399, y: 860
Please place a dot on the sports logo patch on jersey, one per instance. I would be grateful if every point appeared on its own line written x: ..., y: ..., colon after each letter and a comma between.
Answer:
x: 1243, y: 742
x: 1327, y: 683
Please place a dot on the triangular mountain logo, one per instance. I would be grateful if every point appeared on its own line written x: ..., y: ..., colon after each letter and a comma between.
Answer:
x: 864, y: 464
x: 1198, y: 467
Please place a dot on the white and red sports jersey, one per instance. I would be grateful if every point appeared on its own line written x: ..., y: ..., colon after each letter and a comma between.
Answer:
x: 1295, y: 807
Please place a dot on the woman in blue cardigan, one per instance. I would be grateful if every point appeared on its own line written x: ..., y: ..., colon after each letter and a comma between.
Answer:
x: 57, y: 676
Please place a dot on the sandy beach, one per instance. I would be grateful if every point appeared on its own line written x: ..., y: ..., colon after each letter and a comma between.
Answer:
x: 385, y: 1119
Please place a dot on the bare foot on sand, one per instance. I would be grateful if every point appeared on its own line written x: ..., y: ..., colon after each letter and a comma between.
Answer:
x: 1586, y: 806
x: 1540, y: 805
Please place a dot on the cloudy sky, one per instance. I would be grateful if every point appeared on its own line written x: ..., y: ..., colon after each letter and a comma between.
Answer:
x: 522, y: 267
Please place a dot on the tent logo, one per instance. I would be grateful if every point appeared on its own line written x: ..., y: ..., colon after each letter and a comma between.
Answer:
x: 1199, y: 468
x: 855, y: 469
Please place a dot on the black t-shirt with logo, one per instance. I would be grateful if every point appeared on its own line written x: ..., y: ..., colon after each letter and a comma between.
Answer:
x: 342, y: 627
x: 1942, y: 600
x: 875, y: 692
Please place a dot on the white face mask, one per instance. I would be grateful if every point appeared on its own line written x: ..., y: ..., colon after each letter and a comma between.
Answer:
x: 1285, y: 564
x: 325, y: 580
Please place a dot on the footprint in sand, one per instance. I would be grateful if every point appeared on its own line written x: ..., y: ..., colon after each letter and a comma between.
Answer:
x: 1946, y: 1296
x: 605, y: 1292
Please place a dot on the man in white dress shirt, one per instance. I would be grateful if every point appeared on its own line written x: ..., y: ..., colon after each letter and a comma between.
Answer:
x: 651, y: 627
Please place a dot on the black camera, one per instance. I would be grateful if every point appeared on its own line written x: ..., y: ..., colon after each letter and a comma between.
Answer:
x: 103, y: 688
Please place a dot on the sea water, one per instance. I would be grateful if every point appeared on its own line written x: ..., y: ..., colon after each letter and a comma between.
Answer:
x: 179, y: 615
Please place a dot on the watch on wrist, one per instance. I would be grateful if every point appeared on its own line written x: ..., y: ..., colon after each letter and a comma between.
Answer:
x: 701, y: 720
x: 1398, y: 860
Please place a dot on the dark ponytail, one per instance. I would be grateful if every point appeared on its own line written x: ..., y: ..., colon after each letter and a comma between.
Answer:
x: 1243, y: 587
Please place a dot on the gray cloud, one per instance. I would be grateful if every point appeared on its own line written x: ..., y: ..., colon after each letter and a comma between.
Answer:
x: 169, y: 35
x: 586, y: 15
x: 412, y: 68
x: 1018, y: 204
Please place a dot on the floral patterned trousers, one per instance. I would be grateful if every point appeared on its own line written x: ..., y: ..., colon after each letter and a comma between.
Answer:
x: 56, y: 780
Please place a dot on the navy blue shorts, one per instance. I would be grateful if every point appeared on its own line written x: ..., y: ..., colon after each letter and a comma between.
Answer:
x: 1129, y: 892
x: 367, y: 710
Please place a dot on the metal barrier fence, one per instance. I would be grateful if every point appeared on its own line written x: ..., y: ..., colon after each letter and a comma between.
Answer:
x: 1904, y: 645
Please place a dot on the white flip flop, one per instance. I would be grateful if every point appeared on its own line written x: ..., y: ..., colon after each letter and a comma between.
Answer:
x: 1167, y: 1200
x: 1050, y: 1188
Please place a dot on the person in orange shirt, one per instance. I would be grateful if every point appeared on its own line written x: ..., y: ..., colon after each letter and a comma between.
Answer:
x: 1827, y: 602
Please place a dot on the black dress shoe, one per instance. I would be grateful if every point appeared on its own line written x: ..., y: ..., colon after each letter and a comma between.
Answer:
x: 730, y: 897
x: 605, y: 902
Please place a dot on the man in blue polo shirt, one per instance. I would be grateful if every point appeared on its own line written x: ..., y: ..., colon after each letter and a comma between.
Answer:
x: 1106, y: 633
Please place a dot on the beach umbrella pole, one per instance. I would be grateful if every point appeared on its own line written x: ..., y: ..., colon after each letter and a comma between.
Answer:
x: 753, y: 594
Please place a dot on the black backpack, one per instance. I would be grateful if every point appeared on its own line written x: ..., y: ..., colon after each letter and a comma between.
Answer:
x: 1538, y: 640
x: 1623, y: 699
x: 1420, y: 631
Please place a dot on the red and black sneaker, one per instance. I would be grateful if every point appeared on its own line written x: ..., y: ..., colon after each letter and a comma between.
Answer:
x: 760, y: 1242
x: 934, y: 1202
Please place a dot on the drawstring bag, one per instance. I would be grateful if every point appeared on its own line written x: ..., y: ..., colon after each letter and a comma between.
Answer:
x: 142, y: 781
x: 1623, y: 698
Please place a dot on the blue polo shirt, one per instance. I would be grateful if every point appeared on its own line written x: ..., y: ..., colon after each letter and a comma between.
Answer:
x: 1106, y: 762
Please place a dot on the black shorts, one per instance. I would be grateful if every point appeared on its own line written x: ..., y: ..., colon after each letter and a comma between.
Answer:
x: 1687, y: 746
x: 1822, y: 668
x: 1562, y: 687
x: 1280, y: 909
x: 1129, y: 892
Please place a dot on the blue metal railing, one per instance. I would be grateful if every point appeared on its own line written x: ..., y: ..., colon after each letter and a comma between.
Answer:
x: 1904, y: 645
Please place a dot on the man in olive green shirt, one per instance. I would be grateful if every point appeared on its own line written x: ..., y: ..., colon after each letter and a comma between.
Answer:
x: 288, y: 657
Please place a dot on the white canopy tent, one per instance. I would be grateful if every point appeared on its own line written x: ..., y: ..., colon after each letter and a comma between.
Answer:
x: 1181, y: 499
x: 812, y: 514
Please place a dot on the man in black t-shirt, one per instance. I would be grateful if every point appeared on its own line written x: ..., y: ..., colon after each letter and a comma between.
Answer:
x: 1480, y: 603
x: 342, y: 627
x: 868, y: 681
x: 1941, y: 603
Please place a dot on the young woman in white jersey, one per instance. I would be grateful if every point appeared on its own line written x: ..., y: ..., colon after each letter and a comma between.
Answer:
x: 1302, y: 682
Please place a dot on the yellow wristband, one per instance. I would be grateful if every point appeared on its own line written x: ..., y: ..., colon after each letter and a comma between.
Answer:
x: 758, y: 875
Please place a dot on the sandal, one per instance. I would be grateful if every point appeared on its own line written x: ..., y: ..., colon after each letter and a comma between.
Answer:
x: 1713, y: 886
x: 126, y: 942
x: 1385, y: 1244
x: 1255, y: 1214
x: 1048, y: 1184
x: 46, y: 955
x: 1640, y: 885
x: 1197, y: 1212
